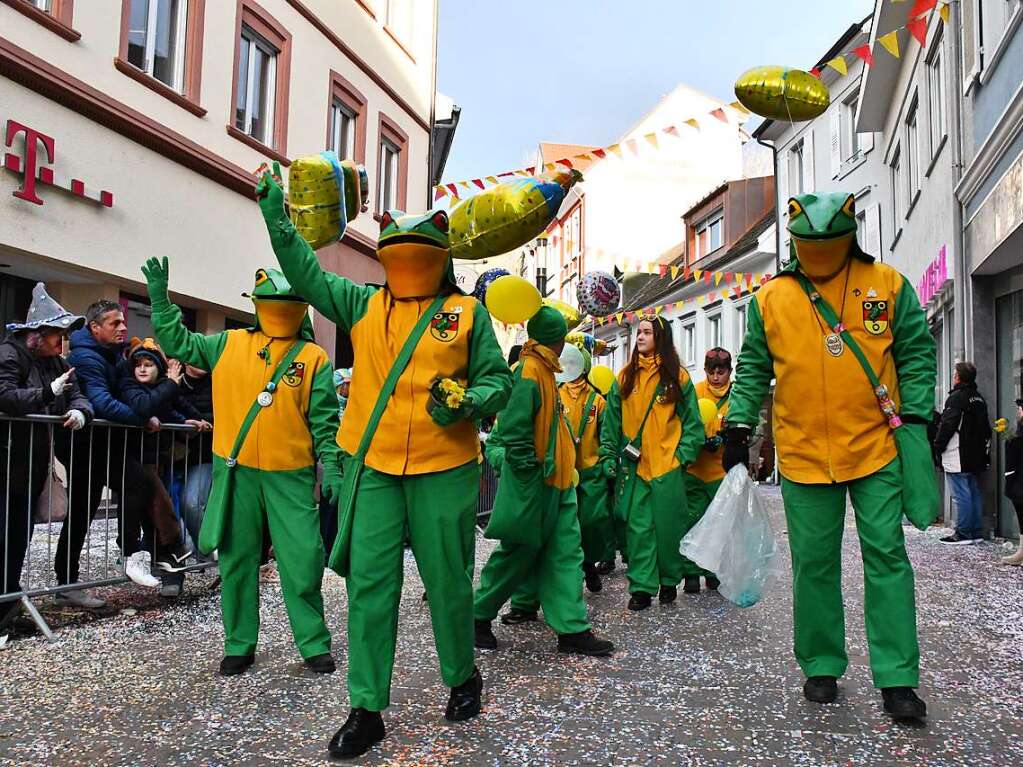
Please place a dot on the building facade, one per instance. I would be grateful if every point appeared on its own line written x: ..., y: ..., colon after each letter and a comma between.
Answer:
x: 132, y: 129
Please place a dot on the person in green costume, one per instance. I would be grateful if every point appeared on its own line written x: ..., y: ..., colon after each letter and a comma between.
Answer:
x: 840, y: 434
x: 413, y: 462
x: 536, y: 498
x: 263, y: 473
x: 651, y: 432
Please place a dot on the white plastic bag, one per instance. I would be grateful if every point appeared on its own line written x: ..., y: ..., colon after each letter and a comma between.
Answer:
x: 734, y: 540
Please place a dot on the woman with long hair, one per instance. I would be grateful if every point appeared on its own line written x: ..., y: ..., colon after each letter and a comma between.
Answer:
x: 651, y: 432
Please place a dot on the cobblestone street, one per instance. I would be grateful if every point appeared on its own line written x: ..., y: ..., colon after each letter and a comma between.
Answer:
x: 697, y: 683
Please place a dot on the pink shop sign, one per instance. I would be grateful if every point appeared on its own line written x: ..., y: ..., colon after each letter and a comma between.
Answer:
x: 934, y: 277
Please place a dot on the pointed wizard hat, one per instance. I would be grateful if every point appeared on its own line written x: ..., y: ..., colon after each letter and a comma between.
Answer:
x: 44, y: 312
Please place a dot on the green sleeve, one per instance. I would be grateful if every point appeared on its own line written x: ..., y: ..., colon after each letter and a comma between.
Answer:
x: 490, y: 380
x: 611, y: 426
x: 323, y: 419
x: 339, y: 300
x: 753, y: 373
x: 516, y: 422
x: 494, y: 450
x: 693, y: 433
x: 916, y: 363
x: 182, y: 344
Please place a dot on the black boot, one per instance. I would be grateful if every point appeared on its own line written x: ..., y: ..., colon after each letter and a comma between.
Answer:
x: 691, y: 584
x: 591, y: 578
x: 516, y: 615
x: 606, y: 567
x: 668, y: 595
x: 821, y: 689
x: 235, y: 664
x: 485, y: 639
x: 712, y: 583
x: 640, y: 601
x: 903, y: 703
x: 466, y: 699
x: 321, y: 664
x: 361, y: 730
x: 584, y: 643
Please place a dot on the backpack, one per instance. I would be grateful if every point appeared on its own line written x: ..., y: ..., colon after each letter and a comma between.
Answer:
x: 974, y: 434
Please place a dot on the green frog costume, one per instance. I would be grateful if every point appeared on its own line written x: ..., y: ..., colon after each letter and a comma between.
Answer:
x: 848, y: 344
x: 276, y: 412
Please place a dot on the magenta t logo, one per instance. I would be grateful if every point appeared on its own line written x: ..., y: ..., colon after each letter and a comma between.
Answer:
x: 28, y: 168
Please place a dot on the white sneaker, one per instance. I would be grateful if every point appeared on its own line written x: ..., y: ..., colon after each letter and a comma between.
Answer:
x: 137, y: 568
x: 78, y: 599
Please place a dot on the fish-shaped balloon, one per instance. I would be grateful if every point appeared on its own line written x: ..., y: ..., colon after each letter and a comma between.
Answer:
x: 508, y: 215
x: 782, y: 93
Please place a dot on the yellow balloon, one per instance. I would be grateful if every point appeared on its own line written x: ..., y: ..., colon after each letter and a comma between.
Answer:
x: 512, y: 299
x: 708, y: 411
x: 570, y: 313
x: 782, y: 93
x: 602, y: 377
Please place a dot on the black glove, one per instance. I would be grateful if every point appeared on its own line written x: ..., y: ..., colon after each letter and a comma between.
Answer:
x: 736, y: 442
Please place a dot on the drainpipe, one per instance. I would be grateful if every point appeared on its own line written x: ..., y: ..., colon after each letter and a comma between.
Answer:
x: 963, y: 329
x: 777, y: 202
x: 433, y: 110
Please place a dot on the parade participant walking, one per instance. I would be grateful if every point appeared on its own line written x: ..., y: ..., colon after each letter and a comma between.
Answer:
x: 838, y: 433
x: 703, y: 478
x: 420, y: 469
x: 276, y: 412
x: 651, y: 432
x: 536, y: 498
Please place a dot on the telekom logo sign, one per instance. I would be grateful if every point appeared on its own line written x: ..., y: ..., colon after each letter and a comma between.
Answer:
x: 35, y: 164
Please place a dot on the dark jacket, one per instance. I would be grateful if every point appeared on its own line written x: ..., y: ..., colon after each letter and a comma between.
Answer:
x: 964, y: 432
x: 162, y: 401
x: 1014, y: 467
x: 199, y: 393
x: 97, y: 367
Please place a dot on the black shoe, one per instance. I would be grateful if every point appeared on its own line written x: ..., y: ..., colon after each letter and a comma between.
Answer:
x: 712, y: 582
x: 466, y: 699
x: 606, y: 567
x: 321, y: 664
x: 584, y: 643
x: 591, y: 578
x: 957, y: 539
x: 640, y: 601
x: 903, y: 703
x: 485, y: 639
x: 691, y: 584
x: 515, y: 615
x: 821, y: 689
x: 235, y: 664
x: 173, y: 558
x: 668, y: 595
x: 361, y: 730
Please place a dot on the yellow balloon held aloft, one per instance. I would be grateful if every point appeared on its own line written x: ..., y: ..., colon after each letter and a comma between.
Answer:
x: 512, y: 299
x: 782, y: 93
x: 570, y: 313
x: 708, y: 412
x: 324, y: 194
x: 508, y: 215
x: 602, y: 377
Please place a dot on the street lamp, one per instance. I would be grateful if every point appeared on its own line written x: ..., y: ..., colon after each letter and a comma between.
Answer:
x: 541, y: 271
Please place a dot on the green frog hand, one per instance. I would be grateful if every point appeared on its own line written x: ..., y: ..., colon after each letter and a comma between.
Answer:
x: 331, y: 484
x: 270, y: 194
x: 157, y: 275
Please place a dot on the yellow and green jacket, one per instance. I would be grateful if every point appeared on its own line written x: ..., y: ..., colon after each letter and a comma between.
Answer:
x: 296, y: 429
x: 673, y: 434
x: 827, y: 423
x: 707, y: 466
x: 458, y: 344
x: 574, y: 395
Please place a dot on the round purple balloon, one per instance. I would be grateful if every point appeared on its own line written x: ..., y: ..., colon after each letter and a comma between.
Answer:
x: 598, y: 294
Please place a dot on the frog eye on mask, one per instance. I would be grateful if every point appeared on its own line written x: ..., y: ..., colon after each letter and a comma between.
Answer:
x: 386, y: 220
x: 440, y: 220
x: 794, y: 208
x: 849, y: 208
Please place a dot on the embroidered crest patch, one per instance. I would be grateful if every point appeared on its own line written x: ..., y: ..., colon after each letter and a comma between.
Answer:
x: 875, y: 317
x: 444, y: 325
x: 295, y: 374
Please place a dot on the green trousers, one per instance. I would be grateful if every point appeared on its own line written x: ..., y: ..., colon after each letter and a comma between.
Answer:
x: 657, y: 519
x: 619, y: 524
x: 816, y: 517
x: 285, y: 501
x: 439, y: 512
x: 699, y: 494
x: 557, y: 566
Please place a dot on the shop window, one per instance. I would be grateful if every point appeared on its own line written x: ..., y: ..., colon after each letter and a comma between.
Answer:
x: 392, y: 172
x: 346, y: 120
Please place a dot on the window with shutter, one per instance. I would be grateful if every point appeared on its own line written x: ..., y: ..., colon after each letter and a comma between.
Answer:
x: 808, y: 177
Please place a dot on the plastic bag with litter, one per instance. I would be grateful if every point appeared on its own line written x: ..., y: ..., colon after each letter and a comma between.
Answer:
x: 734, y: 540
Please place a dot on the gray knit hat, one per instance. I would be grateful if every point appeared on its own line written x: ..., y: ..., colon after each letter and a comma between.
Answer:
x: 44, y: 312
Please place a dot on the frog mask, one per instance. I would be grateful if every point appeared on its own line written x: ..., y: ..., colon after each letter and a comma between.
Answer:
x: 280, y: 312
x: 823, y: 231
x: 414, y: 253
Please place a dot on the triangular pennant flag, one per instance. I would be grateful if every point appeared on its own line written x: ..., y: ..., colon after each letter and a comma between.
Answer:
x: 566, y: 163
x: 738, y: 291
x: 506, y: 173
x: 838, y: 64
x: 618, y: 316
x: 530, y: 170
x: 674, y: 272
x: 697, y: 273
x: 464, y: 184
x: 864, y: 53
x: 691, y: 122
x: 706, y: 277
x: 728, y: 277
x: 815, y: 72
x: 491, y: 180
x: 717, y: 278
x: 631, y: 145
x: 671, y: 130
x: 582, y: 156
x: 658, y: 310
x: 651, y: 267
x: 679, y: 304
x: 479, y: 183
x: 891, y: 42
x: 738, y: 107
x: 549, y: 166
x: 600, y: 153
x: 652, y: 138
x: 918, y: 28
x: 943, y: 12
x: 921, y: 7
x: 441, y: 192
x: 713, y: 296
x: 662, y: 270
x: 699, y: 299
x: 521, y: 173
x: 615, y: 149
x: 720, y: 114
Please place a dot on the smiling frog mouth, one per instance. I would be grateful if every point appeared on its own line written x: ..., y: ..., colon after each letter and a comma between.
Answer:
x: 410, y: 238
x: 824, y: 236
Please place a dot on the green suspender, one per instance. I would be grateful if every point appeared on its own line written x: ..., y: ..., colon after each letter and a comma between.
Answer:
x: 254, y: 410
x: 582, y: 422
x: 638, y: 439
x: 339, y: 556
x: 552, y: 438
x: 628, y: 470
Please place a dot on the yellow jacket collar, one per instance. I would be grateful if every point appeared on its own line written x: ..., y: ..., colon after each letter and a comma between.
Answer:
x: 543, y: 353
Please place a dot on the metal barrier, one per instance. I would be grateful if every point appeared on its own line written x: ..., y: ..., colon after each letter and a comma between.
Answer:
x: 488, y: 491
x: 92, y: 532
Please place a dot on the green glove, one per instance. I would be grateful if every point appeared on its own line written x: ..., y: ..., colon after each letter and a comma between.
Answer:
x: 330, y: 485
x: 157, y: 275
x: 442, y: 415
x: 520, y: 458
x: 608, y: 469
x: 270, y: 195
